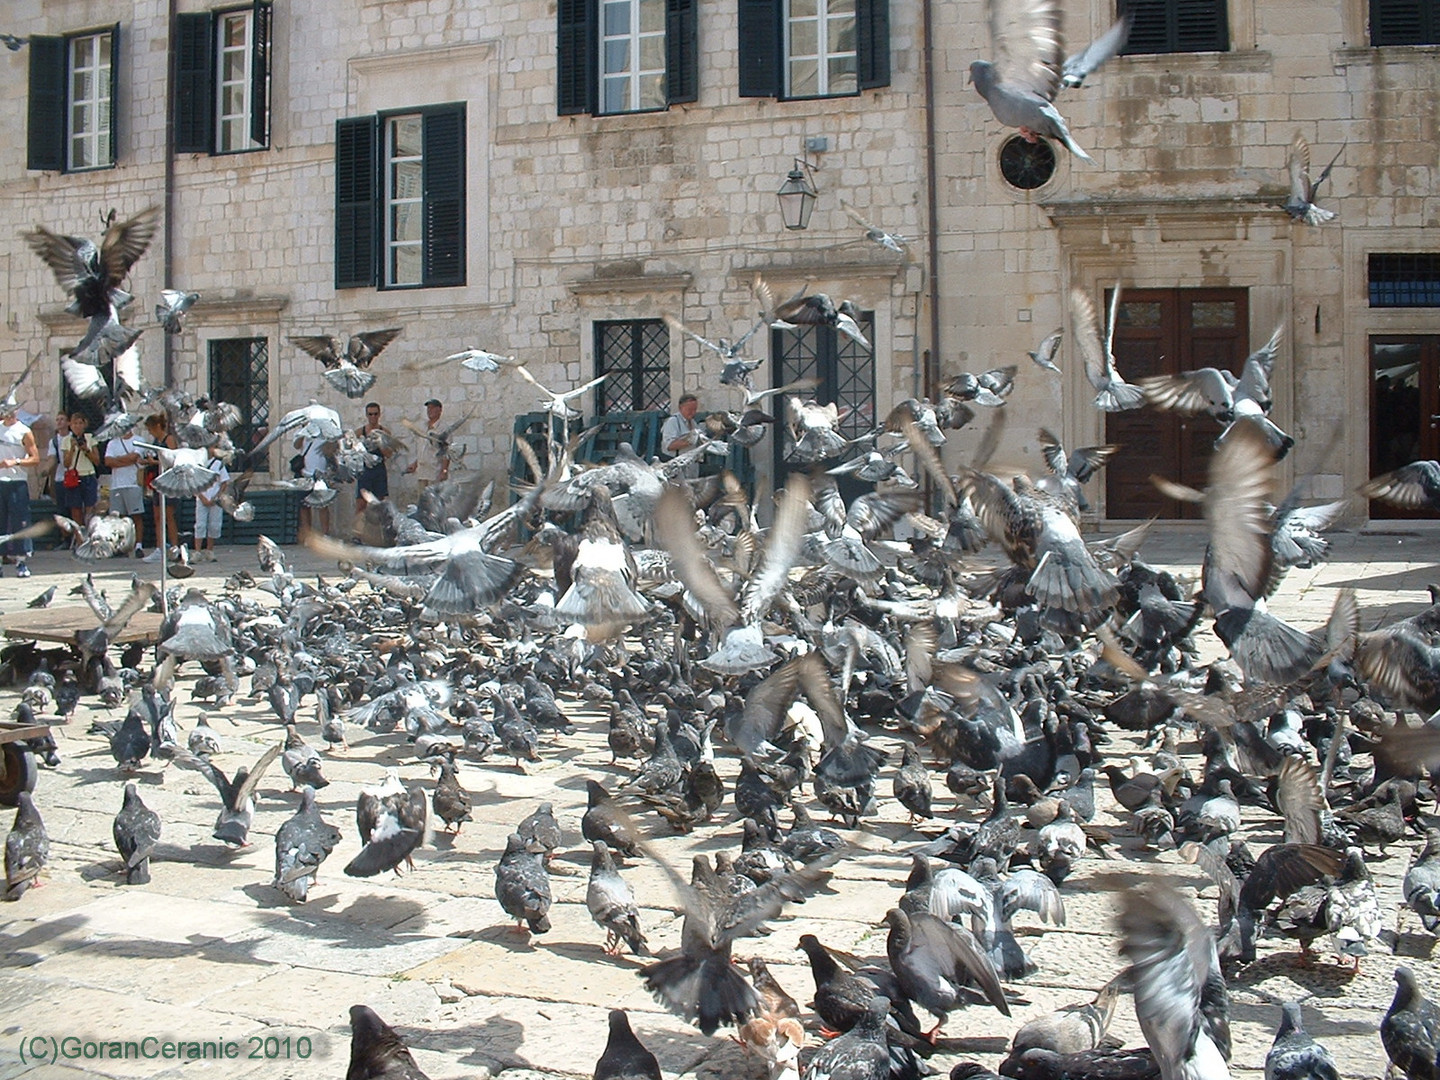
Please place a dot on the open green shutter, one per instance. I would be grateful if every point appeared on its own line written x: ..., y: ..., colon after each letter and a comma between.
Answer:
x: 760, y: 37
x: 260, y: 17
x: 444, y: 184
x: 872, y: 43
x: 682, y: 59
x: 356, y: 202
x: 45, y: 139
x: 194, y: 83
x: 114, y: 94
x: 575, y: 49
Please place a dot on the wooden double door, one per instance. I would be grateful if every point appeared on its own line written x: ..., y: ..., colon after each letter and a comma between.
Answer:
x: 1165, y: 332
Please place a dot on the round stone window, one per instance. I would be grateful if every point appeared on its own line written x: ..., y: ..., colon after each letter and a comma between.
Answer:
x: 1027, y: 165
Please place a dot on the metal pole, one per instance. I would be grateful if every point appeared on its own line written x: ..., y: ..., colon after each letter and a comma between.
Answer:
x: 164, y: 559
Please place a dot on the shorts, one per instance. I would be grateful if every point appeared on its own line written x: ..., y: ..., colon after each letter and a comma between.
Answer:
x: 127, y: 501
x: 376, y: 481
x: 209, y: 520
x: 78, y: 498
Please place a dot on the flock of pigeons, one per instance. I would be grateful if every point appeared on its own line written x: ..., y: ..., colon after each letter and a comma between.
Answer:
x: 750, y: 669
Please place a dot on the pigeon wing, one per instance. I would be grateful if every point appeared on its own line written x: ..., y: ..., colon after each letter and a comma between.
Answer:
x: 322, y: 347
x: 1029, y: 49
x: 125, y: 242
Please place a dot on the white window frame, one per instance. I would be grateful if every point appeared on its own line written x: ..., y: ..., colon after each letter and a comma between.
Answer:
x: 823, y: 56
x: 634, y: 73
x: 232, y: 129
x: 90, y: 119
x: 404, y: 202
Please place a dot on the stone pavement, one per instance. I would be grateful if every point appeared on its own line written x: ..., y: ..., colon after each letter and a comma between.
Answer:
x: 209, y: 952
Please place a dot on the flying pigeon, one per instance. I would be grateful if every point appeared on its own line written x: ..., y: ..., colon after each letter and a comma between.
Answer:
x: 172, y: 308
x: 1021, y: 83
x: 1112, y: 392
x: 349, y: 372
x: 1079, y: 67
x: 1301, y: 203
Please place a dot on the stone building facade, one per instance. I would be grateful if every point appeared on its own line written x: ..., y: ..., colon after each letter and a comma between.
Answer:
x: 561, y: 176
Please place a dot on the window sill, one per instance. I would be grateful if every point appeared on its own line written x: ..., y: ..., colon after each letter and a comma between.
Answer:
x: 1364, y: 56
x: 1235, y: 62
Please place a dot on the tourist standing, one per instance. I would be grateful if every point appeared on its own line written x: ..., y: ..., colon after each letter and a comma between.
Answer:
x: 376, y: 479
x: 123, y: 458
x: 80, y: 482
x: 17, y: 454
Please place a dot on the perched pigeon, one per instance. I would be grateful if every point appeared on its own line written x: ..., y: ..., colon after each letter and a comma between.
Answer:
x: 522, y: 885
x: 301, y: 845
x: 612, y: 904
x: 137, y: 831
x: 376, y: 1052
x: 1295, y: 1055
x: 301, y: 761
x: 26, y: 848
x: 451, y: 802
x: 625, y: 1056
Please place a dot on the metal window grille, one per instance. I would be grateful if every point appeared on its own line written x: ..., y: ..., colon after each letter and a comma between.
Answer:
x: 844, y: 370
x: 240, y: 375
x: 1405, y: 280
x: 636, y: 356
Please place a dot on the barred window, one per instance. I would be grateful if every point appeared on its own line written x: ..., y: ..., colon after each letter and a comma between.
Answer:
x: 636, y: 355
x: 240, y: 376
x: 1405, y: 280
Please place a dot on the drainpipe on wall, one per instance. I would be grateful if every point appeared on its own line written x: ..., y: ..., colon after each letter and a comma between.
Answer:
x: 932, y: 196
x: 168, y: 254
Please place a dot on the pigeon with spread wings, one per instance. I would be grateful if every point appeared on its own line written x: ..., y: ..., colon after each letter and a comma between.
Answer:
x: 348, y: 371
x: 237, y: 796
x: 92, y: 276
x: 1301, y: 203
x: 1112, y: 392
x: 1021, y: 83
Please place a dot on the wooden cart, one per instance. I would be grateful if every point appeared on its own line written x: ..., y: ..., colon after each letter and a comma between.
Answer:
x: 17, y: 761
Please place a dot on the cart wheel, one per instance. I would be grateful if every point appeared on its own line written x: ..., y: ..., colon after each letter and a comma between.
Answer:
x: 18, y: 773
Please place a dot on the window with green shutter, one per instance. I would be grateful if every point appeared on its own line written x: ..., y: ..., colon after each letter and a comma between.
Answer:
x: 400, y: 199
x: 1176, y: 26
x: 625, y: 56
x: 70, y: 117
x: 813, y: 48
x: 1404, y: 22
x: 222, y: 80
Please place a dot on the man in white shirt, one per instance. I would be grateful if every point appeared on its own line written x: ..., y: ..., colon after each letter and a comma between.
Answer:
x: 680, y: 432
x: 123, y: 458
x: 429, y: 467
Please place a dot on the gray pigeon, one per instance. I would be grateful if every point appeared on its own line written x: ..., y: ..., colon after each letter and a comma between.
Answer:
x: 1021, y: 83
x: 26, y: 848
x: 137, y: 831
x: 237, y: 797
x: 451, y: 802
x: 542, y: 827
x: 301, y: 845
x: 376, y: 1052
x: 301, y: 761
x: 392, y: 827
x: 612, y: 904
x: 1301, y: 203
x: 522, y: 885
x: 203, y: 741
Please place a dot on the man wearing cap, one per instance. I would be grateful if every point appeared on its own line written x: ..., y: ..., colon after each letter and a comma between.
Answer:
x: 429, y: 467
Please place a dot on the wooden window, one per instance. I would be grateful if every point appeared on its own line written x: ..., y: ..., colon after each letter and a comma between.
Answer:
x: 1404, y: 22
x: 813, y: 48
x: 400, y: 199
x: 222, y: 80
x: 619, y: 56
x: 1176, y: 26
x: 71, y: 111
